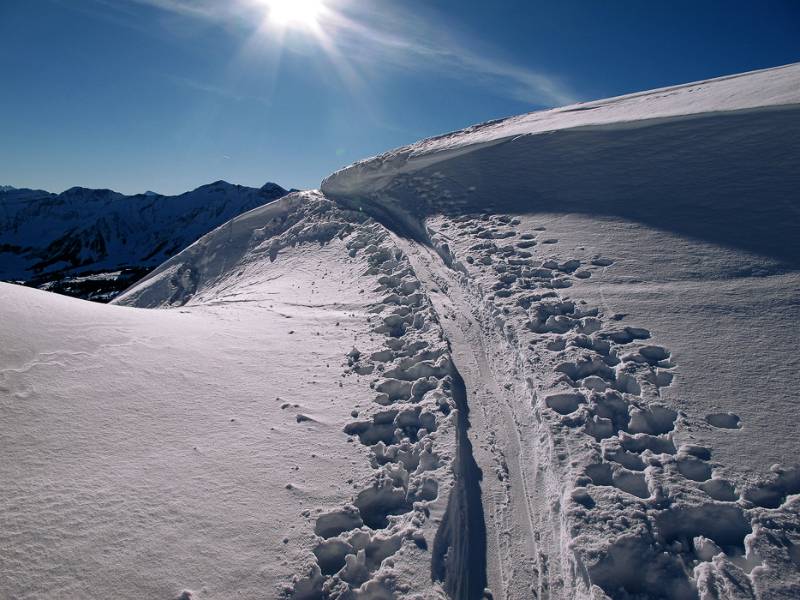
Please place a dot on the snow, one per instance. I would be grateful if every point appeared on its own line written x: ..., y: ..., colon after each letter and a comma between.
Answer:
x: 758, y: 90
x: 159, y: 423
x: 622, y: 277
x: 149, y: 450
x: 553, y: 356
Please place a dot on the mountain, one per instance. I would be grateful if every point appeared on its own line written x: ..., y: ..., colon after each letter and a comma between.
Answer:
x: 94, y: 243
x: 553, y: 356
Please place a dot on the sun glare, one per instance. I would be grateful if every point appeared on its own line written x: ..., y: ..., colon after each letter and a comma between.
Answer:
x: 296, y: 13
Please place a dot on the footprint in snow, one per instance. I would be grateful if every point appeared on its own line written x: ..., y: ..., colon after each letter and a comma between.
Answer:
x: 724, y: 420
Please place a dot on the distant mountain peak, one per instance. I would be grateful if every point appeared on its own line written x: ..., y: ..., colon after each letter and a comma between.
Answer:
x: 220, y: 184
x: 7, y: 188
x: 272, y: 187
x: 83, y: 191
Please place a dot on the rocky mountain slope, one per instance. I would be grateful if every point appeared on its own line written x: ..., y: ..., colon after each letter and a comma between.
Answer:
x: 95, y: 243
x: 544, y: 357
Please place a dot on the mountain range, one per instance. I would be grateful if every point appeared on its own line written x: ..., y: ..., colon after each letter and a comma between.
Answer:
x: 93, y: 243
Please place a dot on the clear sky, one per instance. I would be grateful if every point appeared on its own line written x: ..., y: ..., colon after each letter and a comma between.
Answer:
x: 167, y: 95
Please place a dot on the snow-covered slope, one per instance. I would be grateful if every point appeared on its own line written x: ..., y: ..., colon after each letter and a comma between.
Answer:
x: 553, y: 356
x: 632, y: 269
x: 757, y: 91
x: 75, y: 241
x: 256, y: 399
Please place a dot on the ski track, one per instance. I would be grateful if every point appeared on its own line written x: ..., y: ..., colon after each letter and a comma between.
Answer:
x: 570, y: 394
x: 606, y: 384
x: 470, y: 358
x: 515, y: 440
x: 554, y: 473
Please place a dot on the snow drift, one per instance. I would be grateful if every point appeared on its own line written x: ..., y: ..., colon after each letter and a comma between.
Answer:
x: 550, y: 356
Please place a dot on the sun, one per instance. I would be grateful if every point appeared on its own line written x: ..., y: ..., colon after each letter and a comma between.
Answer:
x: 295, y: 13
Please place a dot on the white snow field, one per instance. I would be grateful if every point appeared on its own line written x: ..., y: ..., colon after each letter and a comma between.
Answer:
x: 550, y: 357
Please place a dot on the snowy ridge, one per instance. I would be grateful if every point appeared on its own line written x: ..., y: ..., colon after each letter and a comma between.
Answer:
x: 415, y: 427
x: 552, y: 357
x: 773, y: 88
x: 660, y: 504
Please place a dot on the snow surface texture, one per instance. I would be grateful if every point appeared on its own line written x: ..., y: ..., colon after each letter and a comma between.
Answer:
x: 632, y: 267
x: 415, y: 428
x: 217, y: 467
x: 550, y: 357
x: 94, y: 243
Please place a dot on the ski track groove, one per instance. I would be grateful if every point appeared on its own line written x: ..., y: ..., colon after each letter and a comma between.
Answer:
x: 468, y: 350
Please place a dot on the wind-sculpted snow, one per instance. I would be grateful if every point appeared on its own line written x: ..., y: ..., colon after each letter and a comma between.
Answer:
x: 221, y: 258
x: 615, y: 271
x: 551, y: 357
x: 690, y: 160
x: 745, y: 92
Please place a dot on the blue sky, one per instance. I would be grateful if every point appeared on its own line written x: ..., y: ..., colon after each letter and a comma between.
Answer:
x: 170, y: 94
